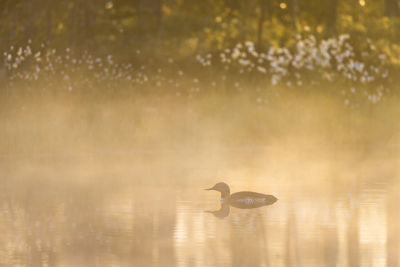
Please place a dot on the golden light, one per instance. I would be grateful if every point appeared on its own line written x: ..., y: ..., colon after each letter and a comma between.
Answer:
x: 283, y: 5
x: 362, y: 2
x: 109, y: 5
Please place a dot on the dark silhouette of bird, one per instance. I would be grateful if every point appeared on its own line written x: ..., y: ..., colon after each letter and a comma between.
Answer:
x: 241, y: 200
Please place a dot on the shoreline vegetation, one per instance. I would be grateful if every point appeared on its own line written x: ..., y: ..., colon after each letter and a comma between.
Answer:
x: 363, y: 74
x: 319, y: 93
x: 83, y: 75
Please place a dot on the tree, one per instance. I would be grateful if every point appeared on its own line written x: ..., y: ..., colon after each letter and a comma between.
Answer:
x: 293, y: 13
x: 331, y: 19
x: 261, y: 20
x: 391, y: 8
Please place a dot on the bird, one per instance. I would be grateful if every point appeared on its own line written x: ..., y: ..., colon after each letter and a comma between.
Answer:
x: 243, y: 199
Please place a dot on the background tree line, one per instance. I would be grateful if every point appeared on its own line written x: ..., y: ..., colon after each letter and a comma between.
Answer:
x: 182, y: 27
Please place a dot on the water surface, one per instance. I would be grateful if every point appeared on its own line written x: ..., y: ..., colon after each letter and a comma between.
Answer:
x: 147, y: 208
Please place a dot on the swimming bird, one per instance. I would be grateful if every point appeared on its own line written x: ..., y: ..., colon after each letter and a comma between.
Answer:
x: 243, y: 199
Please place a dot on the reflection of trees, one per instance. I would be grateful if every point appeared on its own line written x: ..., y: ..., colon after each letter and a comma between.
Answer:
x: 330, y: 240
x: 54, y: 223
x: 393, y: 227
x: 151, y: 234
x: 28, y: 235
x: 48, y: 223
x: 353, y: 242
x: 292, y: 256
x: 248, y: 238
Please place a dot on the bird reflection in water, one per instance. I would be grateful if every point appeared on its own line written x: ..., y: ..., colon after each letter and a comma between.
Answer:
x: 240, y: 200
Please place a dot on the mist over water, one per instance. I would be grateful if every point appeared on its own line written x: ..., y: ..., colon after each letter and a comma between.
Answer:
x: 116, y: 115
x: 120, y: 183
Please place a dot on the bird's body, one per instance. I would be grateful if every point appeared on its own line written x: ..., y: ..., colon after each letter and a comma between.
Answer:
x: 249, y: 200
x: 243, y: 199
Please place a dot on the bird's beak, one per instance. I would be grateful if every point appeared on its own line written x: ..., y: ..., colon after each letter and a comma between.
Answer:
x: 212, y: 188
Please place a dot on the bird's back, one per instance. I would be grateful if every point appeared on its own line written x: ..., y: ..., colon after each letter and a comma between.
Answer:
x: 249, y: 200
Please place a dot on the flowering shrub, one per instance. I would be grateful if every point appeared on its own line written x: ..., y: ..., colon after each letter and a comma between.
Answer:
x: 307, y: 63
x: 48, y: 66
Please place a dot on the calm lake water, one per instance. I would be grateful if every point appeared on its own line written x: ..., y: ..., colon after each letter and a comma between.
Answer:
x: 147, y: 208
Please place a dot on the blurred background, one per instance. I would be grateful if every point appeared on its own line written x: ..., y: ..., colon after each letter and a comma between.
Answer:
x: 181, y: 28
x: 114, y: 115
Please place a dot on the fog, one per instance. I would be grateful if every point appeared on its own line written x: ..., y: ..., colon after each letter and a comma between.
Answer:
x: 120, y: 181
x: 116, y: 115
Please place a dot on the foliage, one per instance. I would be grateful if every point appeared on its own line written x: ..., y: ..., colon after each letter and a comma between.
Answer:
x: 307, y: 63
x: 148, y: 45
x: 109, y: 26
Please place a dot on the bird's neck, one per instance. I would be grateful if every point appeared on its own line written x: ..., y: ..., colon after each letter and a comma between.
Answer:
x: 225, y: 195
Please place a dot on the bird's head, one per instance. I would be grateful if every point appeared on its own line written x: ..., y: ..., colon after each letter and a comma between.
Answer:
x: 221, y: 187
